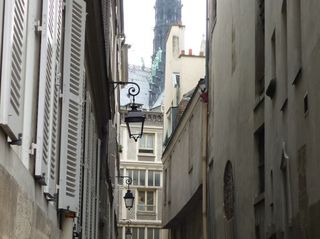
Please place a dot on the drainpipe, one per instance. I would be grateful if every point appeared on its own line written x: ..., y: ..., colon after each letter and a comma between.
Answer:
x: 204, y: 137
x: 204, y: 167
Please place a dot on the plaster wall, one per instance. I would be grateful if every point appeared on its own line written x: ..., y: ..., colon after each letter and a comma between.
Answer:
x: 287, y: 123
x: 230, y: 117
x: 190, y: 67
x: 182, y: 161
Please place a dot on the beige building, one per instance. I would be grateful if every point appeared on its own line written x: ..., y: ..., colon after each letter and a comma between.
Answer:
x: 58, y: 59
x: 183, y: 71
x: 263, y: 120
x: 184, y: 160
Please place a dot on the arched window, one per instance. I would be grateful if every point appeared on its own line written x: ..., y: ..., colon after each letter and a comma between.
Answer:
x: 228, y: 192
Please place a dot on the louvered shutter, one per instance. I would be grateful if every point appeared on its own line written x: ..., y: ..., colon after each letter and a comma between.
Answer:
x: 46, y: 92
x: 93, y: 178
x: 13, y: 64
x: 87, y: 172
x: 97, y: 186
x: 71, y: 120
x: 54, y: 141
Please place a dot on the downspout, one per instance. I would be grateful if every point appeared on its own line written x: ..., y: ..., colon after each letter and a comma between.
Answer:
x: 204, y: 165
x: 204, y: 142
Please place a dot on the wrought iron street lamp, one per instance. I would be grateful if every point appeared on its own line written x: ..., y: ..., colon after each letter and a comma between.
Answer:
x: 128, y: 233
x: 128, y: 197
x: 135, y: 117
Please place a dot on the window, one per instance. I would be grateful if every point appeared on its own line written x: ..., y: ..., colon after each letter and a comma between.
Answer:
x: 137, y: 233
x: 259, y: 138
x: 146, y: 201
x: 228, y: 192
x: 138, y: 177
x: 175, y: 46
x: 119, y: 233
x: 146, y: 143
x: 154, y: 178
x: 165, y: 186
x: 153, y: 233
x: 260, y: 47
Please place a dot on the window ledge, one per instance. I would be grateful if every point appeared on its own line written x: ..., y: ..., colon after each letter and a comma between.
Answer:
x: 259, y: 99
x: 149, y: 213
x: 259, y: 199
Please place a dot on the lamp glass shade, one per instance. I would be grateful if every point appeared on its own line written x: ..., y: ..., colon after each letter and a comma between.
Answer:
x: 135, y: 122
x: 128, y: 233
x: 128, y: 199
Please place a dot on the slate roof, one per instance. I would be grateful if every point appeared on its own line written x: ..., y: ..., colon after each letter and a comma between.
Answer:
x: 141, y: 76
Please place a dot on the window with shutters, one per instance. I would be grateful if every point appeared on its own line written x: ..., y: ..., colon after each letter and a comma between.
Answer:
x: 13, y: 67
x: 72, y: 105
x: 48, y: 118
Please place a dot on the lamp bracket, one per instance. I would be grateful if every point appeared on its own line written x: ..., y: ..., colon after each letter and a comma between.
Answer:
x: 132, y: 91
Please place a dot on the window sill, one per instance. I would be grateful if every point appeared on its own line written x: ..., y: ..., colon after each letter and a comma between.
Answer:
x: 259, y: 199
x: 146, y: 154
x: 258, y: 101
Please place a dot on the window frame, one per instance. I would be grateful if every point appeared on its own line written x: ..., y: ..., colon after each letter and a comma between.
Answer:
x: 144, y: 149
x: 146, y: 205
x: 154, y: 172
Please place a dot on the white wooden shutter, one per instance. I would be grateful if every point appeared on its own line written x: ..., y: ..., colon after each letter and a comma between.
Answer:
x: 13, y: 64
x: 97, y: 186
x: 93, y: 178
x: 71, y: 121
x: 46, y: 92
x: 87, y: 172
x: 54, y: 142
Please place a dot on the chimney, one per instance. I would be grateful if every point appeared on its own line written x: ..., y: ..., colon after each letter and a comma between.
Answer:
x: 190, y: 52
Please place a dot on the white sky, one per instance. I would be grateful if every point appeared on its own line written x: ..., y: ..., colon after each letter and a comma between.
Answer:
x: 139, y: 20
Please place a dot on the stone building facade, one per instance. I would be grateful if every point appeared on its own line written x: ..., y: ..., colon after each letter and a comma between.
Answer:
x: 263, y: 119
x: 58, y: 59
x: 141, y: 161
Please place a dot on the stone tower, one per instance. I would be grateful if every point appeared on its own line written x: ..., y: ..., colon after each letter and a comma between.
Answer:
x: 167, y: 13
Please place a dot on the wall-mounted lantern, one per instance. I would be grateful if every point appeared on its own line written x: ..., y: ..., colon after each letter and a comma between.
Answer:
x: 128, y: 197
x: 135, y: 118
x: 128, y: 233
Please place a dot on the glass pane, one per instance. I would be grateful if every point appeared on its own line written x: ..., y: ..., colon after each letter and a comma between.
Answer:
x: 135, y: 128
x: 150, y: 178
x: 119, y: 232
x: 150, y: 233
x: 141, y: 200
x: 157, y: 179
x: 156, y: 233
x: 150, y: 141
x: 150, y: 201
x: 142, y: 141
x: 134, y: 233
x: 135, y: 177
x: 142, y: 177
x: 141, y: 233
